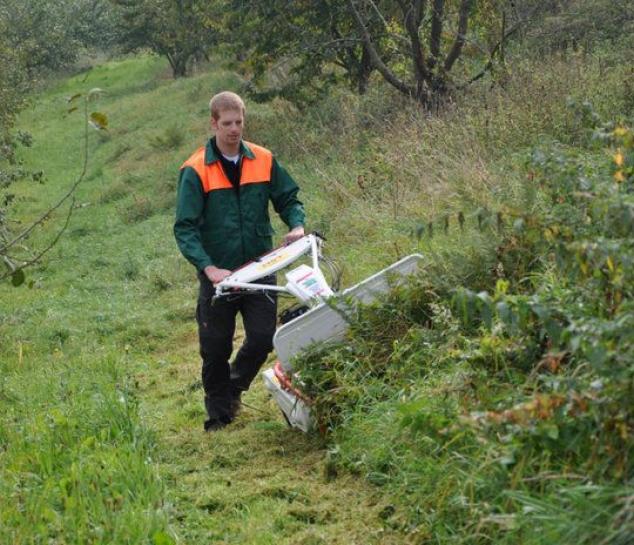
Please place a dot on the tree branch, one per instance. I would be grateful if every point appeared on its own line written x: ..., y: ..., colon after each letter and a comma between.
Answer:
x: 397, y: 37
x: 436, y: 30
x: 10, y: 265
x: 24, y: 234
x: 463, y: 24
x: 495, y: 49
x: 413, y: 17
x: 45, y: 250
x: 378, y: 13
x: 389, y: 76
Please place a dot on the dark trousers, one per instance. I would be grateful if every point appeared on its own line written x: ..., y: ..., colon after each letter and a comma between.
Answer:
x: 223, y: 382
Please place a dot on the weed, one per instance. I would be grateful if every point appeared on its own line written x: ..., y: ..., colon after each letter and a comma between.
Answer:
x: 138, y: 210
x: 115, y: 192
x: 185, y: 315
x: 171, y: 138
x: 555, y: 354
x: 80, y: 232
x: 160, y: 283
x: 119, y: 151
x: 130, y: 269
x: 96, y: 174
x: 133, y: 179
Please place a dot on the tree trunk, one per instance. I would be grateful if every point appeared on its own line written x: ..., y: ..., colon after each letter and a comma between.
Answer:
x: 428, y: 81
x: 364, y: 72
x: 179, y: 65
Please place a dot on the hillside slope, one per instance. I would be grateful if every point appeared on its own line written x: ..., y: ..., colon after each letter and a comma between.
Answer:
x: 103, y: 441
x: 103, y: 437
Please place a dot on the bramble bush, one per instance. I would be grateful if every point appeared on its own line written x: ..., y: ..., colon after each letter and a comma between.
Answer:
x: 534, y: 372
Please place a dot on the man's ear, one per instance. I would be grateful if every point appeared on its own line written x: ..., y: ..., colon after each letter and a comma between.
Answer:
x: 213, y: 123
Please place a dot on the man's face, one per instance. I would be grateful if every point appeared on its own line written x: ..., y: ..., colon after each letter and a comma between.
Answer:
x: 228, y: 127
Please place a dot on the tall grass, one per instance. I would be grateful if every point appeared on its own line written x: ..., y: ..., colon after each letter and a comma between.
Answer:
x: 391, y: 167
x: 76, y: 461
x: 500, y: 412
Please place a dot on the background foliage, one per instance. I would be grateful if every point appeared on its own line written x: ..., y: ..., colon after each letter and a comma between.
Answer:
x: 183, y: 31
x: 530, y: 365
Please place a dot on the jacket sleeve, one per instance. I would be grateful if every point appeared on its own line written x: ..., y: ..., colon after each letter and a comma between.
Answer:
x: 190, y: 204
x: 284, y: 197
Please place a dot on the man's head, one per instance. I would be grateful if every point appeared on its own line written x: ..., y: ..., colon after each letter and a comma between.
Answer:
x: 227, y: 120
x: 226, y: 100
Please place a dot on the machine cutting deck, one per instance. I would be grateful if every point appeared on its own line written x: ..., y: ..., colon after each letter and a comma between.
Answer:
x: 313, y: 320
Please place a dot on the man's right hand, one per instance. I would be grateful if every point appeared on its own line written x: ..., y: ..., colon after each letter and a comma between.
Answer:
x: 215, y: 274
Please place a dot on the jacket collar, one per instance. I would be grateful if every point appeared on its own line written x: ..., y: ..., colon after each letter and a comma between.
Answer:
x: 211, y: 156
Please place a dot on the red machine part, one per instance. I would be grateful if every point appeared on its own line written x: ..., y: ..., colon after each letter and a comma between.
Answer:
x: 285, y: 382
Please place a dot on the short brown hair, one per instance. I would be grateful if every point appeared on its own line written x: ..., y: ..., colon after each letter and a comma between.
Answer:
x: 226, y: 100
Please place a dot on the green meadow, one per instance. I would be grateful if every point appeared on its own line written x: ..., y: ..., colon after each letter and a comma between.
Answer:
x: 101, y: 436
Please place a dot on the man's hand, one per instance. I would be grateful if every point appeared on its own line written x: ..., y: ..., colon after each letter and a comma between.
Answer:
x: 215, y: 274
x: 294, y: 234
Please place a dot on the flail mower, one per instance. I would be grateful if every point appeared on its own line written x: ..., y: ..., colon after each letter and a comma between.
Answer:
x: 311, y: 319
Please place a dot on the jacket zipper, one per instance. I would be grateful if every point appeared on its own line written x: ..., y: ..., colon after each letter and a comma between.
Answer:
x: 238, y: 196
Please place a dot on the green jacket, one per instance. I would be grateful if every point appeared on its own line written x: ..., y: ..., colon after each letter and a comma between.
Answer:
x: 217, y: 224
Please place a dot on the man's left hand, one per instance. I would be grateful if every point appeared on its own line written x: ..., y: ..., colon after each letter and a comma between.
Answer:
x: 294, y: 234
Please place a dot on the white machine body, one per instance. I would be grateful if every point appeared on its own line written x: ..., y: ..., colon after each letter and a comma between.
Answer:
x: 326, y: 322
x: 295, y: 410
x: 306, y: 283
x: 323, y: 322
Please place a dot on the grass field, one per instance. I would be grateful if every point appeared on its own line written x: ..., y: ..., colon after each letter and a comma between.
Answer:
x: 101, y: 436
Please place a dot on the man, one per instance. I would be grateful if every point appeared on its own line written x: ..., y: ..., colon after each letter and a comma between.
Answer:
x: 222, y: 222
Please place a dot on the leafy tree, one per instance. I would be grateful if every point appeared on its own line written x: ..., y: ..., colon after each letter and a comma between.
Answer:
x: 95, y: 24
x: 48, y: 35
x: 14, y: 84
x: 179, y: 30
x: 414, y: 45
x: 428, y: 39
x: 40, y: 34
x: 573, y: 23
x: 316, y: 41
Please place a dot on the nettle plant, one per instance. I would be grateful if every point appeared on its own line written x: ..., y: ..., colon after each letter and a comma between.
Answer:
x: 575, y: 311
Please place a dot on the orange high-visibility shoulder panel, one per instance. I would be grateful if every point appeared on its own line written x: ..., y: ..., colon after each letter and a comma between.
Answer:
x: 258, y: 169
x: 213, y: 176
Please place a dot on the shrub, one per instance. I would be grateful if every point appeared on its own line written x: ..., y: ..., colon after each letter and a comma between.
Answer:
x: 115, y: 192
x: 521, y: 392
x: 171, y: 138
x: 140, y: 209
